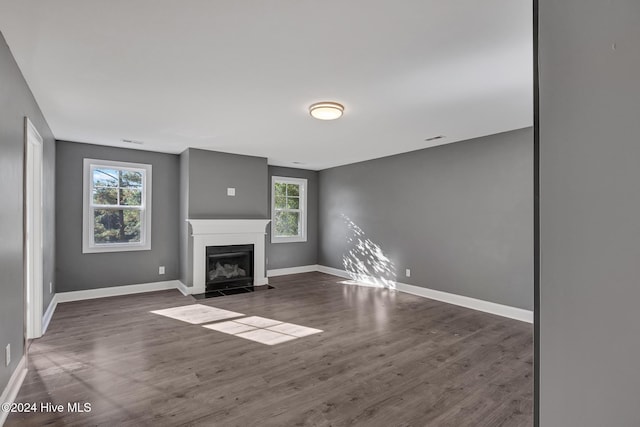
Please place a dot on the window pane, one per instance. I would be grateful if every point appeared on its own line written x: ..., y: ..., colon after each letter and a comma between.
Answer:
x: 293, y: 190
x: 293, y: 203
x: 105, y: 177
x: 281, y: 202
x: 280, y: 189
x: 130, y: 179
x: 130, y: 197
x: 105, y: 196
x: 287, y: 224
x: 116, y: 225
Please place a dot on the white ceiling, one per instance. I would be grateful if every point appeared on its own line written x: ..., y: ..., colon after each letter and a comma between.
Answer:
x: 238, y: 75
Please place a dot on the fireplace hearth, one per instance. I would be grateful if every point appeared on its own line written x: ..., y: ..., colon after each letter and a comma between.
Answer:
x: 228, y: 267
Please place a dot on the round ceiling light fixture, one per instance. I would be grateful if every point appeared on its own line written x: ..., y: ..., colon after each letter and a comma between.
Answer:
x: 326, y: 110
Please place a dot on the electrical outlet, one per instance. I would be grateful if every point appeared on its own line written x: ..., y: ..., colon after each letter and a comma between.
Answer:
x: 407, y: 272
x: 50, y: 287
x: 161, y: 269
x: 7, y: 355
x: 231, y: 191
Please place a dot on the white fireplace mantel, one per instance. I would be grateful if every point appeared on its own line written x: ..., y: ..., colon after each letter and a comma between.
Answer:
x: 222, y: 232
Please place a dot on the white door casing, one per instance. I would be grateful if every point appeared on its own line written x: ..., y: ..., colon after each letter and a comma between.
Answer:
x: 33, y: 235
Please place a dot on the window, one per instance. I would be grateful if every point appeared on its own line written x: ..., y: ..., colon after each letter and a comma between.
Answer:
x: 288, y: 210
x: 117, y: 206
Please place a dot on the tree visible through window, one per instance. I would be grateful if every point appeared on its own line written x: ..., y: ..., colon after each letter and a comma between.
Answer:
x: 289, y: 210
x: 117, y: 212
x: 117, y: 203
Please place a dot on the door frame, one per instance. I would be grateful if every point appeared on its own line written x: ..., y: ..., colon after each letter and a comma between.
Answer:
x: 33, y: 229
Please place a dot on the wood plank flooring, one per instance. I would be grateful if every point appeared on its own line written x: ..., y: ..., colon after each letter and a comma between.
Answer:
x: 384, y: 359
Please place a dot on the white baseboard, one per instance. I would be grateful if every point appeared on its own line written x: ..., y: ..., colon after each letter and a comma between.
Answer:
x: 13, y: 387
x: 333, y: 271
x: 463, y: 301
x: 468, y: 302
x: 118, y: 290
x: 46, y: 318
x: 109, y: 292
x: 292, y: 270
x: 184, y: 289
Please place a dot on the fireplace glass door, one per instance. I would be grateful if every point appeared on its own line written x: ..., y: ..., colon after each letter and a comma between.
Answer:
x: 229, y: 267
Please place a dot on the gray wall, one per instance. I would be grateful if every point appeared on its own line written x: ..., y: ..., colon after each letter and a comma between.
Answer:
x: 211, y: 173
x: 78, y: 271
x: 16, y: 102
x: 589, y: 212
x: 283, y: 255
x: 460, y: 216
x: 204, y: 178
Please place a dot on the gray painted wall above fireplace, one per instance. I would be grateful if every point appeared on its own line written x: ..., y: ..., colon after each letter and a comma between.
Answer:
x: 204, y: 179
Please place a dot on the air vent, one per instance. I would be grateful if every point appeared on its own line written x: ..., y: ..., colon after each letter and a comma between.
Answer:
x: 433, y: 138
x: 132, y: 141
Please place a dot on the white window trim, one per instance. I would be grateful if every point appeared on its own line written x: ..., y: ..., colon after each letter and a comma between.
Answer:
x: 302, y: 182
x: 88, y: 244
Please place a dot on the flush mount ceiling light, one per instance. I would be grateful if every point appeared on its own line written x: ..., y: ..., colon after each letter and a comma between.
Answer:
x: 326, y: 110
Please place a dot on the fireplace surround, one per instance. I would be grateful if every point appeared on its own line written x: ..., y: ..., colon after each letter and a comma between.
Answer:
x: 226, y: 232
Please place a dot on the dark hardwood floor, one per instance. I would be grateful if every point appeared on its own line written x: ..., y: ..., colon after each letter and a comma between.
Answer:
x: 384, y: 359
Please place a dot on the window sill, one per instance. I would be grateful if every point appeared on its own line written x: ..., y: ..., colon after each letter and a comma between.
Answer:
x: 108, y: 249
x: 289, y: 240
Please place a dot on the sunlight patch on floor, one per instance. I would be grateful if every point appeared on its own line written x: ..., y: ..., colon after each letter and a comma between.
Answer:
x: 262, y: 330
x: 254, y: 328
x: 197, y: 313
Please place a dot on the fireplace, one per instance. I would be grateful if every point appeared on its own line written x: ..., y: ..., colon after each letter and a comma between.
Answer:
x: 228, y: 267
x: 225, y: 232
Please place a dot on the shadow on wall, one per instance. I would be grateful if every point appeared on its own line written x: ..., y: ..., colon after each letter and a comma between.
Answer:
x: 365, y: 261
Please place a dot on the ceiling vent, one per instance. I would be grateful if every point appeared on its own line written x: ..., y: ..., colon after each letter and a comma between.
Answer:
x: 132, y: 141
x: 433, y: 138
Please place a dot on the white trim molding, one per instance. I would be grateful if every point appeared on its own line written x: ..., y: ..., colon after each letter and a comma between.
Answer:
x: 109, y: 292
x: 46, y: 318
x: 292, y: 270
x: 460, y: 300
x: 117, y: 291
x: 468, y: 302
x: 184, y: 289
x: 334, y: 271
x: 13, y: 387
x: 34, y: 228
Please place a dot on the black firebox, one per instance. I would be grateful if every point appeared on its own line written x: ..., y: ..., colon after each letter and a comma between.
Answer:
x: 229, y: 267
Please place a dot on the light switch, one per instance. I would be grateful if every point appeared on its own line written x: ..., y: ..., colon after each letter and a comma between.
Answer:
x: 231, y: 191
